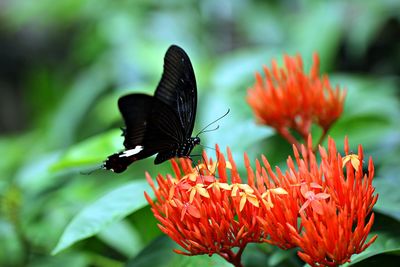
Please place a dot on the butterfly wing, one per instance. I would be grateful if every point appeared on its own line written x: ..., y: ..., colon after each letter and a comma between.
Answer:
x: 151, y: 127
x: 136, y: 112
x: 150, y: 124
x: 177, y: 88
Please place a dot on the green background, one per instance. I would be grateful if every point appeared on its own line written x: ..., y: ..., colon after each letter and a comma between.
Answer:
x: 65, y: 63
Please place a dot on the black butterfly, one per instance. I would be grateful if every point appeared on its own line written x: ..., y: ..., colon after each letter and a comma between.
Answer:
x: 162, y: 123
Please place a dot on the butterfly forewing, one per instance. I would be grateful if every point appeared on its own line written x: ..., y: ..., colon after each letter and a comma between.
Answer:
x: 167, y: 123
x: 177, y: 87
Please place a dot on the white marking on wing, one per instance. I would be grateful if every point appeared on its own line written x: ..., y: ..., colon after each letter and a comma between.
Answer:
x: 131, y: 152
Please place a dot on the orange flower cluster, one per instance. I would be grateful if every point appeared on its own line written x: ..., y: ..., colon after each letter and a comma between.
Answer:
x: 336, y: 205
x: 205, y: 214
x: 208, y: 209
x: 289, y: 99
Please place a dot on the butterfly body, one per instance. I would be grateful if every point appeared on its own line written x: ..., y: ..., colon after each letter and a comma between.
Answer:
x: 161, y: 124
x: 185, y: 148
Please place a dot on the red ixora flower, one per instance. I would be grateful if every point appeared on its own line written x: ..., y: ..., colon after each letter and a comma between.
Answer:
x: 336, y: 204
x: 327, y: 209
x: 207, y: 209
x: 289, y: 99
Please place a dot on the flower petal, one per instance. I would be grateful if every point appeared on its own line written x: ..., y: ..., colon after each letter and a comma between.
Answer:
x: 203, y: 192
x: 304, y: 206
x: 278, y: 191
x: 253, y: 200
x: 317, y: 207
x: 243, y: 200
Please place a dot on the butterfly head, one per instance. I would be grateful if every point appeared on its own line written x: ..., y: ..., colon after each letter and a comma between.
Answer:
x: 196, y: 140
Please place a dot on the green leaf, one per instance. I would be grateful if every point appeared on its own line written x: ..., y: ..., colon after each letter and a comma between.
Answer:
x: 73, y: 258
x: 123, y: 237
x: 388, y: 241
x: 146, y: 224
x: 160, y: 253
x: 108, y: 209
x: 355, y: 128
x: 385, y: 243
x: 266, y: 255
x: 368, y: 112
x: 90, y: 151
x: 389, y: 201
x: 157, y: 253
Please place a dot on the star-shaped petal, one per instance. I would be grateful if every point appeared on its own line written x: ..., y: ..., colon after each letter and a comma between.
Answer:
x: 353, y: 159
x: 198, y: 188
x: 244, y: 197
x: 266, y: 196
x: 314, y: 200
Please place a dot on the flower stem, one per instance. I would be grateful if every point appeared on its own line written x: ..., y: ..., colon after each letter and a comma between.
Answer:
x: 321, y: 139
x: 233, y: 258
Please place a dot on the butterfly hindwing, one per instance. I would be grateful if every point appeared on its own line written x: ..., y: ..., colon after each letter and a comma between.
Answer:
x: 136, y: 111
x: 150, y: 124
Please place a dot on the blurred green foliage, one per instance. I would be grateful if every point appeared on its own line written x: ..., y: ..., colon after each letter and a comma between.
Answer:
x: 63, y: 65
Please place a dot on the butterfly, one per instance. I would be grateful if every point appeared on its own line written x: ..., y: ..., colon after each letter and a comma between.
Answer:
x: 161, y: 124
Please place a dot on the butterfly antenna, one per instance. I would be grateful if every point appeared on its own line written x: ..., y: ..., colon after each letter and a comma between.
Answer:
x: 208, y: 125
x: 211, y: 130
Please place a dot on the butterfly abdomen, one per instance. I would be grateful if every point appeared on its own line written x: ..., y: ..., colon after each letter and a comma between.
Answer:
x: 118, y: 162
